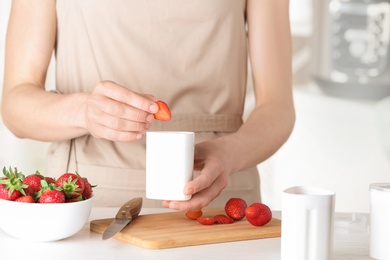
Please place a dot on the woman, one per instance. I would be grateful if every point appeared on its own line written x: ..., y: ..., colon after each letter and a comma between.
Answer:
x: 114, y: 59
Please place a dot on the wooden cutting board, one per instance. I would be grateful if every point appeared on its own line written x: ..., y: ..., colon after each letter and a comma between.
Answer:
x: 174, y: 229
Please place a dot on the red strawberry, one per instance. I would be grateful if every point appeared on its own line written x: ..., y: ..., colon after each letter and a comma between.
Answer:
x: 206, y: 221
x: 25, y: 199
x: 88, y: 189
x: 5, y: 192
x: 73, y: 200
x: 235, y: 208
x: 223, y: 219
x: 52, y: 196
x: 50, y: 193
x: 72, y: 185
x: 11, y: 186
x: 33, y: 182
x: 50, y: 180
x: 258, y: 214
x: 163, y: 112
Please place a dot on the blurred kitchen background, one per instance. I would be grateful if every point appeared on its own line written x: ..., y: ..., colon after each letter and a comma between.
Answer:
x: 341, y: 140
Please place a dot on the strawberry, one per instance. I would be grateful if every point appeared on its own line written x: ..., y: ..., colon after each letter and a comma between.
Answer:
x: 88, y: 189
x: 52, y: 196
x: 235, y: 208
x: 50, y: 180
x: 33, y: 183
x: 258, y: 214
x: 11, y: 186
x: 79, y: 198
x: 206, y: 221
x: 25, y: 199
x: 163, y: 112
x: 73, y: 185
x: 194, y: 214
x: 50, y: 193
x: 223, y: 219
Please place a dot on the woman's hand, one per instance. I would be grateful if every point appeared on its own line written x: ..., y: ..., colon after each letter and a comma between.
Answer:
x: 115, y: 113
x: 213, y: 166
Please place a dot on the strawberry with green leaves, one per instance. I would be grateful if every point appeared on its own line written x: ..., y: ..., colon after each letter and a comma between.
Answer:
x: 50, y: 193
x: 72, y: 185
x: 11, y: 186
x: 33, y: 183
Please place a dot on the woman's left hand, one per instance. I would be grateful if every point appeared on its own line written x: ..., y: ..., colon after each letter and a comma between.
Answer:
x: 210, y: 161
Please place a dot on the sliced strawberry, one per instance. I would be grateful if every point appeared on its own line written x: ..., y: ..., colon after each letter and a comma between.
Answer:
x: 235, y: 208
x: 25, y: 199
x: 223, y: 219
x: 258, y: 214
x: 194, y: 214
x: 163, y: 112
x: 206, y: 221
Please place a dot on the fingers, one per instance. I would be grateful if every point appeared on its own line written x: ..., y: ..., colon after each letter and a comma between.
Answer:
x: 115, y: 135
x: 198, y: 200
x: 204, y: 189
x: 123, y: 95
x: 208, y: 175
x: 118, y: 114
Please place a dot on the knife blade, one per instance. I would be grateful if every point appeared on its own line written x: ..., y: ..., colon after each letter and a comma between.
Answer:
x: 129, y: 211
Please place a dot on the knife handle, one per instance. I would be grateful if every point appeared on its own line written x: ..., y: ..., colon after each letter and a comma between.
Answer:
x: 130, y: 209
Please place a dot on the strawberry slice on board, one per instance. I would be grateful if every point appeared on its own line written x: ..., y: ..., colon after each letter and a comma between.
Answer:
x: 194, y: 214
x: 223, y: 219
x: 206, y: 220
x: 163, y: 113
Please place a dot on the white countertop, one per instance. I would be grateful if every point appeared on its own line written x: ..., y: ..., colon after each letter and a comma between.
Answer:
x: 350, y: 242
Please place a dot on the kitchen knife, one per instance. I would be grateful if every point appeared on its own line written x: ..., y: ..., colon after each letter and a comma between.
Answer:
x: 125, y: 215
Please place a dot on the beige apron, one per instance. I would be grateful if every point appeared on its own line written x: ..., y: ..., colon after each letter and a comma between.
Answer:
x: 191, y: 54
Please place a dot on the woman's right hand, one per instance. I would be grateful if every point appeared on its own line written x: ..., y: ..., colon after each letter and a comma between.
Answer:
x: 116, y: 113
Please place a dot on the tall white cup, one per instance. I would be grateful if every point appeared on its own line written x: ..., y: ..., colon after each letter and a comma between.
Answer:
x: 169, y: 164
x: 380, y: 221
x: 307, y: 223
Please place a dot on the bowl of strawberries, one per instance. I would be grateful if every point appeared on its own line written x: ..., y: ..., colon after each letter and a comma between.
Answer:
x: 41, y: 208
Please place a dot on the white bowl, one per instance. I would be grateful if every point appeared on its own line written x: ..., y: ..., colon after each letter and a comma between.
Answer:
x: 43, y: 222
